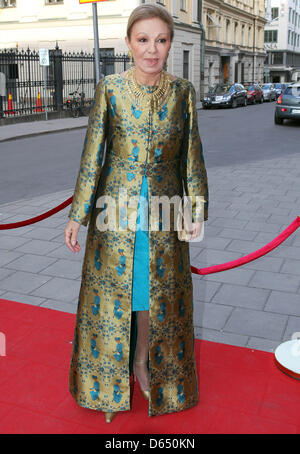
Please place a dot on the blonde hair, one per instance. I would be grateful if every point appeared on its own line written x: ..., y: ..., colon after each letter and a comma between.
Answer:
x: 147, y: 11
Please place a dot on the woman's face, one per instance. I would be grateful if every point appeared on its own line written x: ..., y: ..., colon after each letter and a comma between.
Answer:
x: 150, y: 43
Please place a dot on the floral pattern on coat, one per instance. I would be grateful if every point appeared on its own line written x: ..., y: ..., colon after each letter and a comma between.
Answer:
x: 123, y: 142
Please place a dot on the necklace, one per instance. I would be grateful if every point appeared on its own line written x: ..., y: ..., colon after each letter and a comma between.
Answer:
x: 153, y: 99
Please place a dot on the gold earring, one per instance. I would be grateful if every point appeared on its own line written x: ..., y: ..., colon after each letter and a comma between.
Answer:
x: 166, y: 61
x: 130, y: 57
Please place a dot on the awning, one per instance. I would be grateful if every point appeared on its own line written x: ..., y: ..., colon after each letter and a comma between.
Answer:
x: 214, y: 21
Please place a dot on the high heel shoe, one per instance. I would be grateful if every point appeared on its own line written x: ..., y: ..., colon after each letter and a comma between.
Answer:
x: 145, y: 392
x: 109, y: 416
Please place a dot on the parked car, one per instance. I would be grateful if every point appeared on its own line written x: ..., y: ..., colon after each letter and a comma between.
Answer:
x: 225, y: 96
x: 288, y: 104
x: 269, y: 92
x: 254, y: 93
x: 279, y: 87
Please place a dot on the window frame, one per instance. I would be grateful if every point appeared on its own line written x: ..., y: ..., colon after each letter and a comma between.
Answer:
x: 2, y: 6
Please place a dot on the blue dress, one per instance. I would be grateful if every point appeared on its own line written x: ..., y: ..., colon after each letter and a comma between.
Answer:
x: 140, y: 286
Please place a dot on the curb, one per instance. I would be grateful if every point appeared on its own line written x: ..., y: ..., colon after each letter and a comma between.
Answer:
x: 40, y: 133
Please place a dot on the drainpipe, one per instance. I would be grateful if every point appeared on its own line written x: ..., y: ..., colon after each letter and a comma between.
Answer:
x: 202, y: 56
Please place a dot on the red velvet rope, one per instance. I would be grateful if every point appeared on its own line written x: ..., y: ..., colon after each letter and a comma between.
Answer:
x: 45, y: 215
x: 253, y: 255
x: 208, y: 270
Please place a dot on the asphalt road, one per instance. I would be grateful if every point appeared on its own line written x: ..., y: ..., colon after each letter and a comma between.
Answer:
x: 245, y: 134
x: 49, y: 163
x: 39, y: 165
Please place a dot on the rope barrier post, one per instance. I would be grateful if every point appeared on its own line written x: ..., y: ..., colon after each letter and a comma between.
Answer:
x: 287, y: 357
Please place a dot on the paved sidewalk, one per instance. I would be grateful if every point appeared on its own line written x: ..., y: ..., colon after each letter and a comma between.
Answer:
x: 256, y: 305
x: 33, y: 128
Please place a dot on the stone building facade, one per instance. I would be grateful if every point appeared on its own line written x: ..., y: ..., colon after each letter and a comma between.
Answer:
x: 234, y: 49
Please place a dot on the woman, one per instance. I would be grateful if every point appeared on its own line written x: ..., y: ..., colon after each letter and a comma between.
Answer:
x: 135, y: 308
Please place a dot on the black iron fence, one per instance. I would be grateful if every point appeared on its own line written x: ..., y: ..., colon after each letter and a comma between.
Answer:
x: 23, y: 90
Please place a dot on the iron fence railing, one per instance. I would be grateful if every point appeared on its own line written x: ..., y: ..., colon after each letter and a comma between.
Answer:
x: 23, y: 91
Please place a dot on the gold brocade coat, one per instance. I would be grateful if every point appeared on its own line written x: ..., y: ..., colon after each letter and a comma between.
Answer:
x: 164, y: 144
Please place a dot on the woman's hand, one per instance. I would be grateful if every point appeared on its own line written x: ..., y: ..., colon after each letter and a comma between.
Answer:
x: 71, y: 233
x: 197, y: 226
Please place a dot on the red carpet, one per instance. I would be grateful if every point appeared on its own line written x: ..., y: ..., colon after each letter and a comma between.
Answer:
x: 241, y: 390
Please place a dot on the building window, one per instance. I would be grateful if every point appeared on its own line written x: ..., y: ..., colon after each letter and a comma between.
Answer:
x: 277, y: 58
x: 227, y: 30
x: 212, y: 26
x: 271, y: 36
x: 183, y: 5
x: 186, y: 57
x: 243, y: 34
x: 275, y: 13
x: 8, y: 3
x: 210, y: 71
x: 219, y: 28
x: 235, y: 32
x: 249, y: 34
x: 292, y: 59
x: 54, y: 2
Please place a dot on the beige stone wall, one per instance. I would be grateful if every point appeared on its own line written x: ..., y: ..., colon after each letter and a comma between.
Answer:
x: 249, y: 15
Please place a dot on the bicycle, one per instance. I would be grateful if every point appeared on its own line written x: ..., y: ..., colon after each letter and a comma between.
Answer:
x: 76, y: 104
